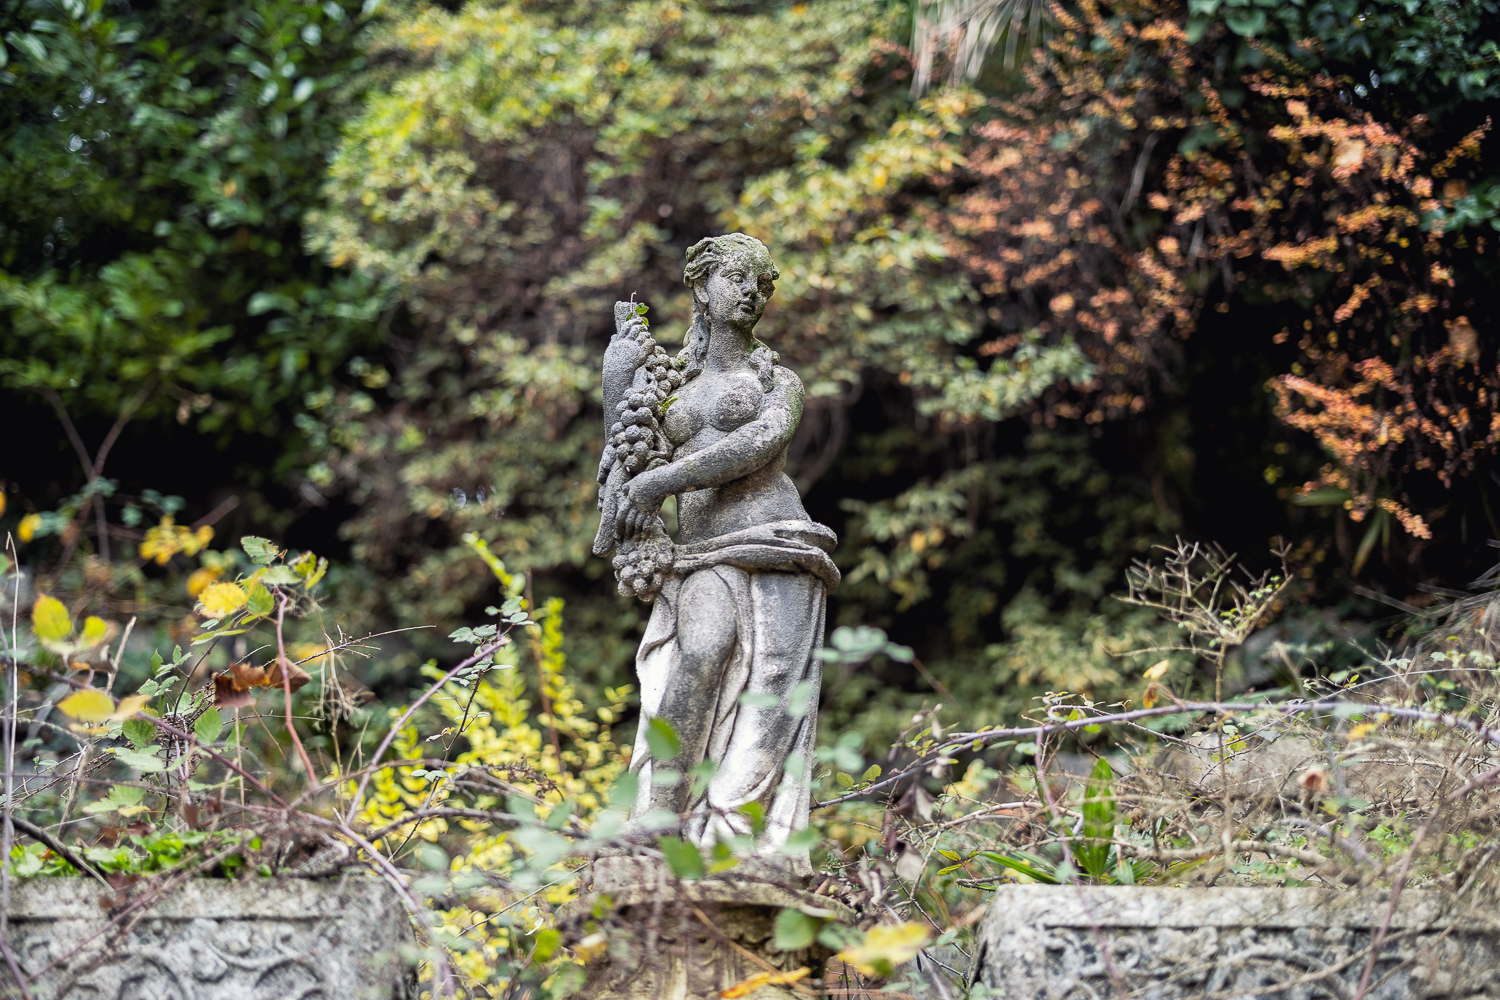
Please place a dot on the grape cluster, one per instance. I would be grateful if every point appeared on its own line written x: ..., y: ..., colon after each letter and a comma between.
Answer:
x: 636, y: 436
x: 642, y: 564
x: 638, y: 444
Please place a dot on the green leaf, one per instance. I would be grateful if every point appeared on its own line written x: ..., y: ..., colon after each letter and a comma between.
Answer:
x: 682, y: 858
x: 662, y: 739
x: 1246, y: 22
x: 795, y: 930
x: 839, y: 936
x: 208, y: 726
x: 1033, y: 867
x: 546, y: 941
x: 756, y: 814
x: 870, y: 774
x: 146, y: 763
x: 126, y: 798
x: 566, y: 981
x: 280, y: 576
x: 260, y: 550
x: 140, y: 732
x: 432, y: 857
x: 802, y: 699
x: 1098, y: 821
x: 260, y: 602
x: 802, y: 841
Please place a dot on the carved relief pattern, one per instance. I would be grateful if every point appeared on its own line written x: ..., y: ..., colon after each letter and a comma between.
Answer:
x: 174, y: 959
x: 1236, y: 963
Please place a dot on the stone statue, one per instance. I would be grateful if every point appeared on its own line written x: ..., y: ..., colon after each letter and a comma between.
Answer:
x: 728, y: 656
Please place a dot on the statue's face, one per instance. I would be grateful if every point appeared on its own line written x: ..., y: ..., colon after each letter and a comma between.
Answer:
x: 736, y: 292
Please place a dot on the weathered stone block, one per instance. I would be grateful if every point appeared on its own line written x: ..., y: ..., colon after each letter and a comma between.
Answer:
x: 212, y: 939
x: 1067, y: 942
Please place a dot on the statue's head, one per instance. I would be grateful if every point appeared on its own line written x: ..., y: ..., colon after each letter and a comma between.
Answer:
x: 732, y: 276
x: 712, y: 253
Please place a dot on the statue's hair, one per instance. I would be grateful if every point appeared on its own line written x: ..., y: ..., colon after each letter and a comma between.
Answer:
x: 703, y: 259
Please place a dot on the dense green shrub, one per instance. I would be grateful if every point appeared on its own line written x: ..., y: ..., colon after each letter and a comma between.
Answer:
x: 158, y: 162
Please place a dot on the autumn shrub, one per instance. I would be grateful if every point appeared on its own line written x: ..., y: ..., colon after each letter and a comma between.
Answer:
x: 1160, y: 164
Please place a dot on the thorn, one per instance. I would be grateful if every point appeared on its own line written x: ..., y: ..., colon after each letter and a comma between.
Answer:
x: 632, y: 297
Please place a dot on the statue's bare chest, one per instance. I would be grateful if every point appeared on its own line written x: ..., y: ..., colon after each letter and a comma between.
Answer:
x: 719, y: 402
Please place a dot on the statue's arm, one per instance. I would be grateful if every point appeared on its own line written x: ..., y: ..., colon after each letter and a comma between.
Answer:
x: 734, y: 456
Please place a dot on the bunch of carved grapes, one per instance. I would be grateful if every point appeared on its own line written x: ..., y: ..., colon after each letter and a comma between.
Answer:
x: 640, y: 445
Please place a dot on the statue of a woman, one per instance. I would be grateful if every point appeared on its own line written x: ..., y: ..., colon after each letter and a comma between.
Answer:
x: 727, y: 661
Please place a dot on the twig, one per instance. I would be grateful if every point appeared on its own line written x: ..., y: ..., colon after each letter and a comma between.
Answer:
x: 285, y: 667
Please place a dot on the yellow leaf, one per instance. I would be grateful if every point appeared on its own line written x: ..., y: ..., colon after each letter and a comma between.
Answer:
x: 1159, y: 670
x: 310, y: 654
x: 94, y: 632
x: 886, y: 947
x: 26, y: 530
x: 88, y: 705
x: 194, y: 542
x: 747, y: 986
x: 199, y: 580
x: 1360, y: 731
x: 129, y: 707
x: 2, y: 503
x: 220, y: 600
x: 50, y: 619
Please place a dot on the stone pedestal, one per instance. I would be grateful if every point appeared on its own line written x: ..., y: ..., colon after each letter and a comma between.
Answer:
x: 1071, y: 942
x: 670, y: 939
x: 211, y: 939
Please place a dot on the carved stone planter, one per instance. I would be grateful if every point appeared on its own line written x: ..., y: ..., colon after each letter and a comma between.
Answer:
x: 1067, y: 942
x: 211, y: 940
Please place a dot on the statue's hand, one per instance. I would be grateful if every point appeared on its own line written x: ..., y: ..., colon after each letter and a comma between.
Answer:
x: 638, y: 507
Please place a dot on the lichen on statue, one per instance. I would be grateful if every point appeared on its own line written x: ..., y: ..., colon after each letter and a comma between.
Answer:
x: 740, y: 595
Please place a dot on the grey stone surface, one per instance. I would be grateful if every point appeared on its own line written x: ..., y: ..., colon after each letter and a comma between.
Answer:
x: 212, y: 939
x: 1075, y: 942
x: 728, y: 656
